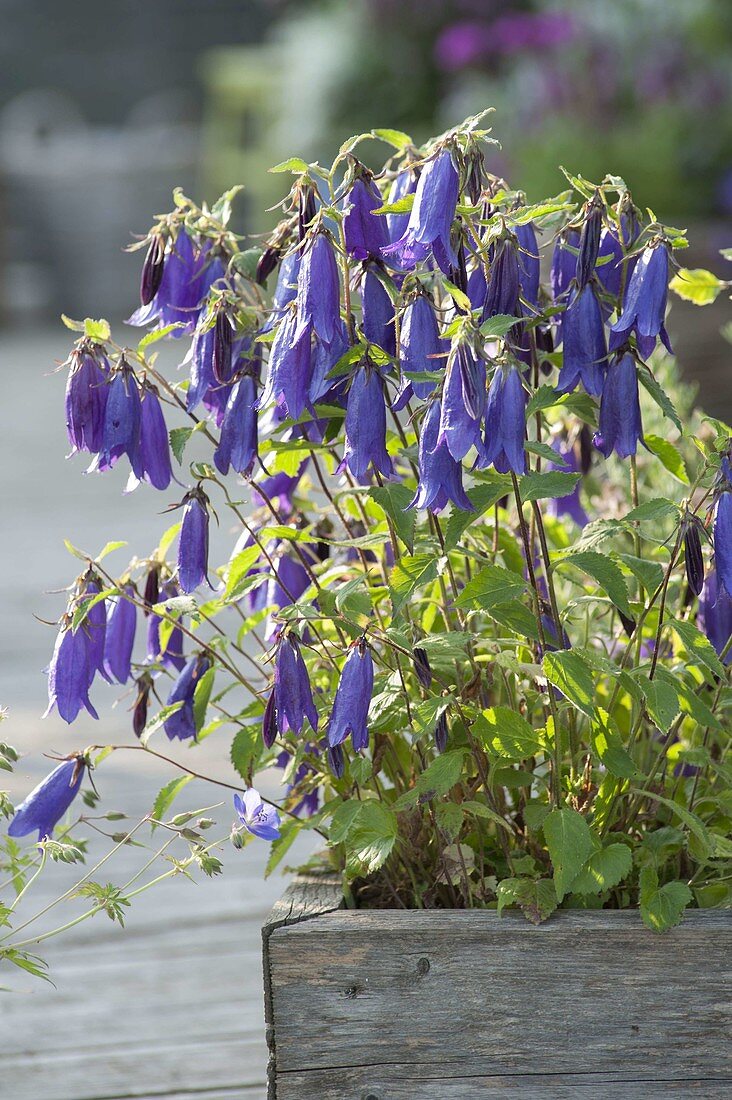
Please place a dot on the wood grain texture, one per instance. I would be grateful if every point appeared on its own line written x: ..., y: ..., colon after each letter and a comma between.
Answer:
x: 392, y: 1005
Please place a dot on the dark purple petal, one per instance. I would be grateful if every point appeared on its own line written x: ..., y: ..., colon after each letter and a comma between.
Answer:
x: 120, y: 635
x: 48, y: 802
x: 193, y: 542
x: 715, y: 614
x: 182, y: 723
x: 69, y: 677
x: 585, y: 352
x: 440, y: 476
x: 290, y: 368
x: 365, y: 426
x: 122, y: 419
x: 238, y: 443
x: 430, y: 221
x: 502, y: 286
x: 365, y: 232
x: 723, y: 541
x: 463, y: 401
x: 528, y: 263
x: 353, y: 699
x: 318, y: 290
x: 620, y: 427
x: 86, y: 400
x: 292, y: 693
x: 420, y: 346
x: 154, y: 442
x: 378, y: 313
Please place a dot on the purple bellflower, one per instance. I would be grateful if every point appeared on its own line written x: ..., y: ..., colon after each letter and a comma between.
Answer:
x: 528, y: 264
x: 420, y: 346
x: 48, y: 802
x: 188, y: 272
x: 377, y: 320
x: 693, y: 557
x: 324, y: 359
x: 310, y: 801
x: 318, y: 290
x: 430, y: 220
x: 285, y: 290
x: 69, y: 675
x: 620, y: 426
x: 122, y: 420
x: 589, y: 242
x: 284, y: 586
x: 440, y: 476
x: 260, y: 820
x: 238, y: 442
x: 365, y: 232
x: 193, y: 541
x: 463, y: 402
x: 585, y: 352
x: 404, y: 184
x: 289, y: 370
x: 610, y: 272
x: 154, y: 453
x: 353, y: 698
x: 86, y: 398
x: 365, y: 426
x: 94, y: 627
x: 172, y: 655
x: 569, y: 505
x: 199, y: 362
x: 182, y: 723
x: 644, y: 304
x: 152, y: 269
x: 293, y: 698
x: 119, y: 637
x: 563, y: 265
x: 715, y: 614
x: 505, y: 422
x: 476, y: 287
x: 722, y: 539
x: 502, y: 285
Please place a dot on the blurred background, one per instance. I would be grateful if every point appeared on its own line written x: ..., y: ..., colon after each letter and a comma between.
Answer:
x: 104, y: 108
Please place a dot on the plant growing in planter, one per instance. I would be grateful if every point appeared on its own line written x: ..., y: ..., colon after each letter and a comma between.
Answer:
x: 486, y: 558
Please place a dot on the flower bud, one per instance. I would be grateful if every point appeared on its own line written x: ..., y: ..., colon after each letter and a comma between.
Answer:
x: 693, y: 559
x: 266, y: 264
x: 139, y: 714
x: 422, y: 666
x: 589, y: 243
x: 441, y: 732
x: 152, y: 269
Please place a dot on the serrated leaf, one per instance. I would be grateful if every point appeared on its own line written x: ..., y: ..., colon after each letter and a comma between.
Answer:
x: 245, y: 750
x: 668, y: 455
x: 661, y: 907
x: 697, y: 285
x: 608, y: 744
x: 536, y: 898
x: 652, y: 511
x: 393, y: 499
x: 603, y: 870
x: 517, y: 618
x: 649, y: 573
x: 343, y: 820
x: 693, y: 823
x: 482, y: 497
x: 98, y: 330
x: 549, y: 483
x: 167, y: 795
x: 604, y: 571
x: 568, y: 672
x: 506, y: 733
x: 178, y: 439
x: 698, y: 647
x: 408, y: 575
x: 491, y: 586
x: 238, y: 569
x: 157, y: 721
x: 570, y: 845
x: 370, y: 842
x: 396, y: 138
x: 659, y: 396
x: 399, y: 206
x: 201, y: 697
x: 292, y: 164
x: 498, y: 326
x: 156, y: 334
x: 662, y: 701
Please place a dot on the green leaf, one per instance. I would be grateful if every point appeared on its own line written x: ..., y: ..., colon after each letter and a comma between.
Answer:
x: 661, y: 907
x: 97, y: 330
x: 201, y: 697
x: 344, y: 819
x: 491, y: 586
x: 608, y: 744
x: 569, y: 841
x: 408, y: 575
x: 157, y: 721
x: 668, y: 455
x: 397, y: 138
x: 693, y: 823
x: 697, y: 285
x: 536, y: 898
x: 699, y: 649
x: 659, y: 396
x: 292, y: 164
x: 652, y: 511
x: 245, y: 750
x: 649, y: 573
x: 156, y: 334
x: 393, y: 500
x: 436, y: 780
x: 166, y: 796
x: 289, y: 831
x: 498, y: 326
x: 662, y: 701
x: 399, y: 206
x: 550, y: 483
x: 504, y: 732
x: 370, y: 842
x: 543, y: 450
x: 178, y: 439
x: 603, y: 870
x: 605, y: 572
x: 238, y: 569
x: 567, y: 671
x: 482, y: 497
x: 517, y: 618
x: 108, y: 548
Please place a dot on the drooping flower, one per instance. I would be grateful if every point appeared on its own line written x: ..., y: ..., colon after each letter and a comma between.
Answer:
x: 722, y: 539
x: 353, y: 698
x: 644, y: 304
x: 336, y: 760
x: 223, y: 346
x: 505, y: 422
x: 69, y: 675
x: 441, y: 732
x: 189, y: 269
x: 284, y: 586
x: 611, y: 271
x: 293, y: 698
x: 365, y: 426
x: 569, y: 505
x: 139, y: 711
x: 199, y: 364
x: 122, y: 419
x: 463, y: 402
x: 120, y: 635
x: 440, y: 476
x: 620, y: 426
x: 193, y: 541
x: 324, y: 359
x: 563, y: 265
x: 154, y: 444
x: 318, y: 289
x: 182, y: 723
x: 238, y: 442
x: 715, y: 614
x: 430, y: 220
x: 47, y: 803
x: 365, y: 232
x: 589, y: 241
x: 152, y: 269
x: 269, y: 722
x: 86, y: 398
x: 94, y: 627
x: 585, y: 352
x: 420, y: 346
x: 289, y: 371
x: 528, y: 263
x: 377, y: 319
x: 260, y: 820
x: 502, y: 284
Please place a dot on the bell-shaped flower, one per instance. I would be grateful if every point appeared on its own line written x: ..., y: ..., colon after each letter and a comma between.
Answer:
x: 620, y: 427
x: 715, y: 614
x: 318, y: 289
x: 365, y: 232
x: 86, y: 398
x: 365, y: 426
x: 48, y: 802
x: 502, y: 284
x: 644, y: 303
x: 324, y: 359
x: 528, y: 264
x: 722, y: 539
x: 463, y: 402
x: 94, y: 627
x: 430, y: 221
x: 154, y: 453
x: 293, y: 698
x: 286, y: 289
x: 193, y: 541
x: 563, y: 265
x: 122, y: 420
x: 189, y: 269
x: 223, y: 347
x: 199, y: 364
x: 477, y: 287
x: 569, y: 505
x: 610, y: 272
x: 585, y: 351
x: 182, y: 723
x: 353, y: 698
x: 377, y: 319
x: 404, y: 184
x: 505, y: 422
x: 119, y: 636
x: 260, y: 820
x: 238, y: 442
x: 289, y: 370
x: 70, y: 675
x: 440, y: 476
x: 420, y: 346
x: 285, y: 585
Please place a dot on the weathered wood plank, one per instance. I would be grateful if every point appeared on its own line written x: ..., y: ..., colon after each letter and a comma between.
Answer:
x: 368, y: 1003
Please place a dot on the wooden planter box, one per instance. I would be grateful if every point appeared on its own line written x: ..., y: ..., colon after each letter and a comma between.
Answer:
x: 456, y: 1005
